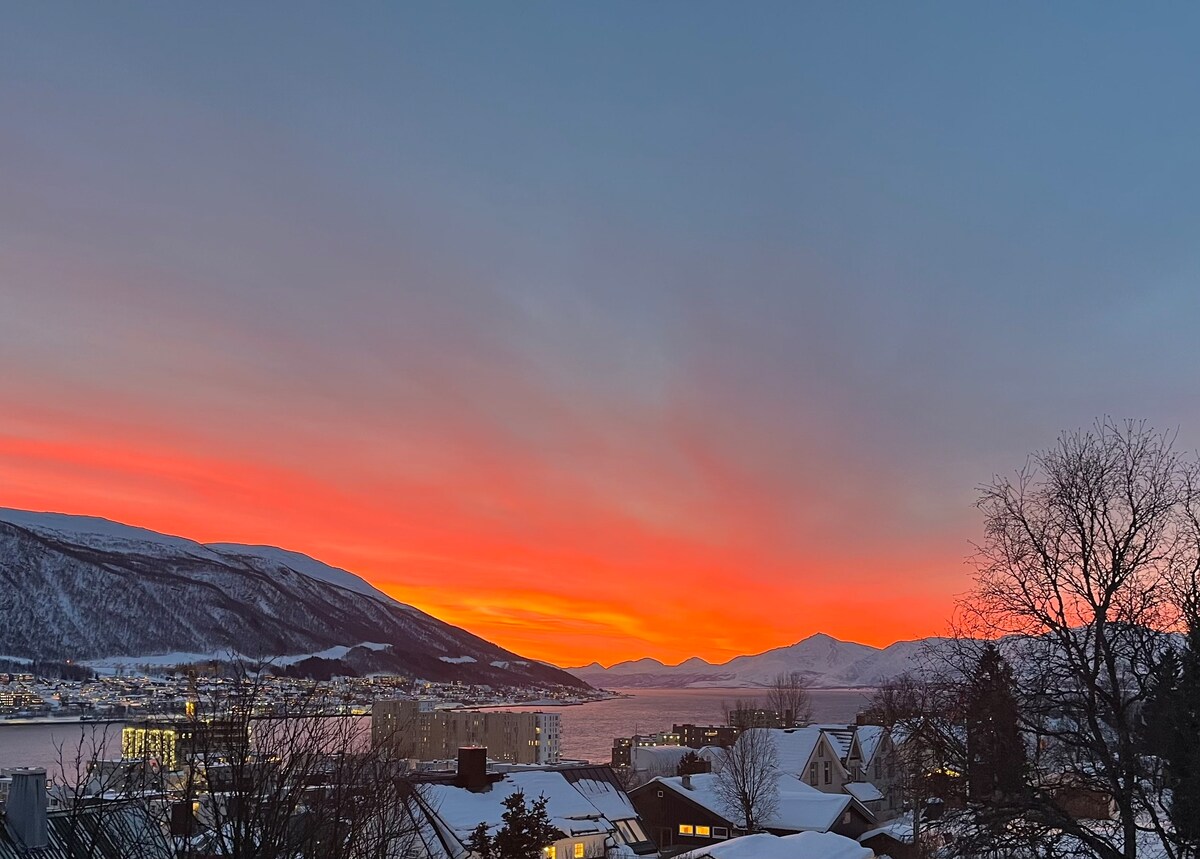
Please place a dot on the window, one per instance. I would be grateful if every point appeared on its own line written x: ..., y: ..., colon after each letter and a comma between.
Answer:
x: 828, y: 772
x: 686, y: 829
x: 551, y: 852
x: 703, y: 832
x: 720, y: 832
x: 812, y: 774
x: 660, y: 794
x: 578, y: 850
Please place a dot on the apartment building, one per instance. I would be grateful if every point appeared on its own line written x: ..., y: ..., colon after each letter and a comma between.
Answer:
x: 413, y: 731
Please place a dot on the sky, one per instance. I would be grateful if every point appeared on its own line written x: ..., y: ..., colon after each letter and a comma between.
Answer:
x: 604, y: 330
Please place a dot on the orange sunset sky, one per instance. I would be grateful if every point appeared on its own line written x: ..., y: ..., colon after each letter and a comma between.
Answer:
x: 604, y: 331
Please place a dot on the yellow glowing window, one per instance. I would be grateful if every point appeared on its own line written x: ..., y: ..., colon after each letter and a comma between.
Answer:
x: 703, y: 831
x: 550, y: 852
x: 685, y: 829
x: 578, y: 850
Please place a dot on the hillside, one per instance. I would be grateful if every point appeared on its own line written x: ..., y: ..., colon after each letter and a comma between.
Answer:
x: 87, y: 589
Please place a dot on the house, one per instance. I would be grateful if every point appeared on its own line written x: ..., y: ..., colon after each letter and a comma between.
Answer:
x: 871, y: 763
x: 802, y: 845
x: 586, y: 805
x: 813, y: 755
x: 686, y: 812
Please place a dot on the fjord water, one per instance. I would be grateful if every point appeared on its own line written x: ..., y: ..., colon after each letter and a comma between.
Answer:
x: 587, y: 729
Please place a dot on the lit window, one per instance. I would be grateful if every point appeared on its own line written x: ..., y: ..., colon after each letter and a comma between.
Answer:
x: 550, y: 852
x: 703, y: 832
x: 578, y: 850
x: 685, y: 829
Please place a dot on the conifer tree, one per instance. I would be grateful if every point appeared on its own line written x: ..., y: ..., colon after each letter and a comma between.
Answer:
x: 995, y: 751
x: 1182, y: 745
x: 523, y: 835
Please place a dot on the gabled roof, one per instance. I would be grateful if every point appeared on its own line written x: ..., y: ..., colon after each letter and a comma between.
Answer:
x: 867, y: 739
x: 795, y: 747
x: 839, y: 736
x: 800, y: 807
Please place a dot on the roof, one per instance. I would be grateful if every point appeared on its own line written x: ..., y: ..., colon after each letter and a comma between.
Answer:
x: 869, y: 737
x: 898, y: 830
x: 793, y: 746
x: 863, y: 791
x: 580, y: 801
x: 800, y: 807
x: 570, y: 812
x: 840, y: 736
x: 802, y: 845
x: 109, y: 832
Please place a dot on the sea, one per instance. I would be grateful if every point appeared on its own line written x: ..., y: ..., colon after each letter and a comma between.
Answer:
x: 587, y: 729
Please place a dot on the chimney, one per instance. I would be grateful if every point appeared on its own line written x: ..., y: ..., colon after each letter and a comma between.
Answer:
x: 26, y: 808
x: 472, y: 768
x: 687, y: 781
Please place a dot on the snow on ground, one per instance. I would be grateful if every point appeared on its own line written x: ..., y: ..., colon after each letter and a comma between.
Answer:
x: 302, y: 564
x: 113, y: 664
x: 457, y: 660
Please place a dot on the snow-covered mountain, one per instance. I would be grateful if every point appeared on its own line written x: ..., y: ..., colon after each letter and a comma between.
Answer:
x: 828, y: 663
x: 87, y: 589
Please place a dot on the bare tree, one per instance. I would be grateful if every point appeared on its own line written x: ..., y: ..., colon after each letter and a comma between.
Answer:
x: 788, y: 696
x: 1089, y: 557
x: 289, y: 779
x: 747, y: 783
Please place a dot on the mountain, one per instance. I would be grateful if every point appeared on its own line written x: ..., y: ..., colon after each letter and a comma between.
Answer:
x: 91, y: 590
x: 828, y: 663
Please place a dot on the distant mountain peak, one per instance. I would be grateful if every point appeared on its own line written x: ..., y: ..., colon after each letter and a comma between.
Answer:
x: 827, y: 661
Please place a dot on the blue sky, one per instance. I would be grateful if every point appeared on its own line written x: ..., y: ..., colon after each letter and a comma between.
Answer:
x: 724, y: 276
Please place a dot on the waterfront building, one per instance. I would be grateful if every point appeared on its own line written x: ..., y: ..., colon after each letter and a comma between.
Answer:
x: 170, y: 742
x: 412, y: 731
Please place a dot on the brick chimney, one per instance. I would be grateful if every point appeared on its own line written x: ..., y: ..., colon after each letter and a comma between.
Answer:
x: 472, y: 768
x: 26, y: 808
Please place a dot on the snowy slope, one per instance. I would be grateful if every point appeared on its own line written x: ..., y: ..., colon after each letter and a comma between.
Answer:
x: 76, y: 587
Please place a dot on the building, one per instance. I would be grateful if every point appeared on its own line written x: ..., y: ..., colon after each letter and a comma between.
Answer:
x: 687, y: 813
x: 587, y: 806
x: 622, y: 748
x: 699, y: 736
x: 169, y: 743
x: 413, y: 731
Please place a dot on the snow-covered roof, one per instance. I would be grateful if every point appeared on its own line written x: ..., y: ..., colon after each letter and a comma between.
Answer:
x: 900, y: 830
x: 612, y: 802
x: 839, y: 736
x: 800, y: 807
x: 863, y: 791
x: 580, y: 802
x: 802, y: 845
x: 794, y: 746
x: 869, y: 738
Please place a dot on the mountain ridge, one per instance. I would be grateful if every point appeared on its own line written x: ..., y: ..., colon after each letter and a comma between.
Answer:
x: 85, y: 588
x: 828, y: 662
